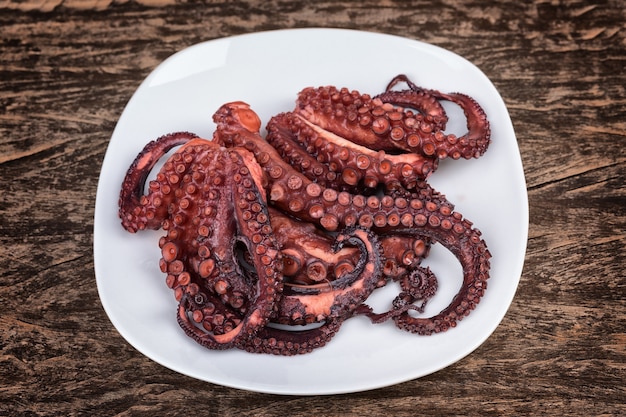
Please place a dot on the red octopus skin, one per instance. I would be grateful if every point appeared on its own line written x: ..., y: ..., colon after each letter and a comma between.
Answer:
x: 308, y: 257
x: 341, y: 164
x: 219, y: 306
x: 419, y: 285
x: 335, y: 299
x: 423, y: 100
x: 380, y: 125
x: 295, y: 194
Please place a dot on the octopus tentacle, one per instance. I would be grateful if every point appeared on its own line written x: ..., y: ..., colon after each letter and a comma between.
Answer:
x: 307, y: 252
x: 352, y: 115
x: 418, y: 98
x: 291, y: 341
x: 324, y: 207
x: 250, y: 226
x: 380, y: 125
x: 420, y: 285
x: 282, y: 135
x: 315, y: 303
x: 472, y: 144
x: 205, y: 319
x: 403, y: 254
x: 137, y: 211
x: 338, y: 163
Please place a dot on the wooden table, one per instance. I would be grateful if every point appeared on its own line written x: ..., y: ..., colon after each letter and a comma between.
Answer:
x: 67, y: 69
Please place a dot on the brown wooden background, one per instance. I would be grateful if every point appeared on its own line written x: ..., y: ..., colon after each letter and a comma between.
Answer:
x: 67, y: 69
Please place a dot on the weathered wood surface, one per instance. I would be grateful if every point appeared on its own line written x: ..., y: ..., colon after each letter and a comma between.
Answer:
x: 67, y: 69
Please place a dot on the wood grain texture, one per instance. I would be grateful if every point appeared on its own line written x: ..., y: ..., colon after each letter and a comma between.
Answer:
x: 67, y: 69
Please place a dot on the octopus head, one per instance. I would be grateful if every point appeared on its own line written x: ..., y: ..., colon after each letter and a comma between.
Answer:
x: 240, y: 114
